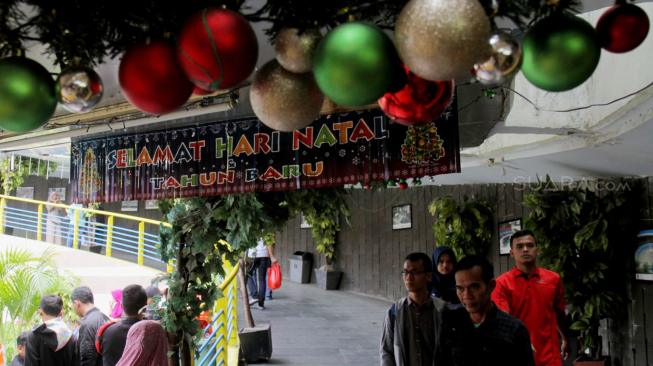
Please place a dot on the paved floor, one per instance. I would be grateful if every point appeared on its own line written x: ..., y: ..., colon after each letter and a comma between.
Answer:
x: 313, y: 327
x: 102, y: 274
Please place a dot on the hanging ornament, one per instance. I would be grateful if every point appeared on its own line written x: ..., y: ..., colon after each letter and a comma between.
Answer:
x: 442, y: 39
x: 419, y: 101
x: 560, y: 52
x: 283, y: 100
x: 417, y: 181
x: 623, y: 27
x: 355, y: 64
x: 151, y: 79
x: 403, y: 184
x: 391, y: 183
x: 79, y: 89
x: 295, y: 49
x: 217, y: 49
x: 27, y: 96
x: 503, y: 63
x: 199, y: 91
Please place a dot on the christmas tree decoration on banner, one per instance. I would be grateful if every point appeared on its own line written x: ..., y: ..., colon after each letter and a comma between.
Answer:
x: 422, y: 145
x: 79, y: 89
x: 503, y: 63
x: 623, y: 27
x: 355, y: 64
x: 442, y: 39
x: 151, y: 79
x: 560, y: 52
x: 419, y: 101
x: 217, y: 49
x: 295, y: 48
x: 284, y: 100
x: 27, y: 95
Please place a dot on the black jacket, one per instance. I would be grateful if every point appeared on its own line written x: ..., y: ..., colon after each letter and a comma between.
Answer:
x: 88, y: 328
x: 112, y: 342
x: 50, y: 345
x: 500, y: 340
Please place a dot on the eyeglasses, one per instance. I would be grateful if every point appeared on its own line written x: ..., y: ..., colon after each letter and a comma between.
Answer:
x: 412, y: 273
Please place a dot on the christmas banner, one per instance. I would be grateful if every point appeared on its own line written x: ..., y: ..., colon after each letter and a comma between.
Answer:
x: 244, y: 155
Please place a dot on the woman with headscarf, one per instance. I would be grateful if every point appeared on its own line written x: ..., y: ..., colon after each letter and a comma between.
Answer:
x: 443, y: 283
x: 116, y: 304
x: 146, y: 345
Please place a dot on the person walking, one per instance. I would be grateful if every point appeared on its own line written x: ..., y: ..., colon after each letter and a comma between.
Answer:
x: 479, y: 333
x: 443, y: 284
x: 411, y: 330
x: 91, y: 319
x: 51, y: 343
x: 146, y: 345
x: 537, y: 297
x: 112, y: 336
x: 263, y: 257
x: 54, y: 220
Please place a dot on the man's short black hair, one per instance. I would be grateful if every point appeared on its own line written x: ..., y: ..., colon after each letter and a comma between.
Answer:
x: 83, y: 294
x: 133, y: 299
x: 51, y: 305
x: 521, y: 233
x: 419, y: 256
x: 152, y: 291
x: 472, y: 261
x: 22, y: 339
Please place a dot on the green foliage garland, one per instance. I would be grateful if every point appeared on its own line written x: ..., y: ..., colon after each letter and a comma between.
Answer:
x: 466, y: 228
x: 588, y: 237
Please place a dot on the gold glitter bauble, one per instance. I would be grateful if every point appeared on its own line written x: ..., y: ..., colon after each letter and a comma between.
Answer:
x: 295, y: 50
x: 442, y: 39
x: 284, y: 100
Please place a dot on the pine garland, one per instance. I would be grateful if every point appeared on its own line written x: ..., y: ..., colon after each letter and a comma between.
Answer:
x: 79, y: 32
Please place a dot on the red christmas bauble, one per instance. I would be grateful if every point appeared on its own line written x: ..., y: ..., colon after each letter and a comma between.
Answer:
x: 403, y: 185
x: 622, y: 28
x: 151, y: 79
x: 217, y: 49
x: 419, y: 101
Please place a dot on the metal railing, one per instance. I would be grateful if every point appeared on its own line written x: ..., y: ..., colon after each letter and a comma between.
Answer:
x: 220, y: 345
x: 118, y: 235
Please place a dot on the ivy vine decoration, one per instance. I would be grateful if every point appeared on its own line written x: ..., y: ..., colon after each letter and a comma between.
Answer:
x: 466, y: 228
x: 588, y: 237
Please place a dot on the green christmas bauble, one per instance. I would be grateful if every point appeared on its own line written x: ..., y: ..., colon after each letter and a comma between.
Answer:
x: 560, y: 52
x: 27, y: 94
x: 355, y: 64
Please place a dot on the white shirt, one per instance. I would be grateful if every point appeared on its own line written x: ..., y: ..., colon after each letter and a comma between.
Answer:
x: 260, y: 251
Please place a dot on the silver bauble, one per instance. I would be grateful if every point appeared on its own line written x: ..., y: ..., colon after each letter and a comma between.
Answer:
x: 503, y: 62
x: 442, y: 39
x: 284, y: 100
x: 79, y: 89
x: 295, y: 50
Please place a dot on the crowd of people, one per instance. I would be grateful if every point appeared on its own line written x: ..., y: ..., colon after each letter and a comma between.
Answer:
x: 457, y: 314
x: 132, y: 336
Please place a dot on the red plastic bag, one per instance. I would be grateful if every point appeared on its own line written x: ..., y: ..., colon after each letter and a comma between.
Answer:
x: 274, y: 276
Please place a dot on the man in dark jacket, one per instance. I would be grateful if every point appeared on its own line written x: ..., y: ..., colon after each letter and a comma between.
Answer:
x: 51, y: 343
x: 91, y: 319
x: 113, y: 338
x: 479, y: 334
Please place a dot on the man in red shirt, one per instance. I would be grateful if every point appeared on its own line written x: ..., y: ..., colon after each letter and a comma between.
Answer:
x: 536, y: 296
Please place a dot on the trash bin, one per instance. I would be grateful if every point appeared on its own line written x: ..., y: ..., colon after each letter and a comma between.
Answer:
x: 301, y: 264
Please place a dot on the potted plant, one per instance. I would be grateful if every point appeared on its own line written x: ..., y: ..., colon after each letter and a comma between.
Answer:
x: 323, y: 209
x: 466, y: 228
x: 587, y: 237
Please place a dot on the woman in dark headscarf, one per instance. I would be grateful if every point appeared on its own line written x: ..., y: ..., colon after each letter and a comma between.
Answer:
x: 443, y: 284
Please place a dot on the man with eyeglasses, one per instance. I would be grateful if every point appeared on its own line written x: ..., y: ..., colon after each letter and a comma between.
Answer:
x: 411, y: 331
x: 480, y: 334
x: 537, y: 297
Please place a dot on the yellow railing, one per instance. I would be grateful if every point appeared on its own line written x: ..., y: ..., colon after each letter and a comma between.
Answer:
x: 110, y: 230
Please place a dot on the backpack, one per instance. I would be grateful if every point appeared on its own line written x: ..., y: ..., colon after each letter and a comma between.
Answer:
x: 100, y: 332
